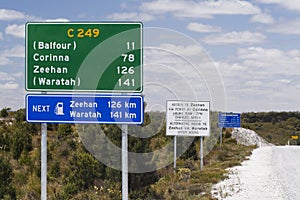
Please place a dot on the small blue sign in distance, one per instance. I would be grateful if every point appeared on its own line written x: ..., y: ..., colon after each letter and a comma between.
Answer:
x: 229, y: 120
x: 104, y: 109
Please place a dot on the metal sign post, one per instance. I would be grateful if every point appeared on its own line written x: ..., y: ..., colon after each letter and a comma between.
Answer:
x: 124, y: 162
x: 44, y: 161
x: 221, y: 136
x: 175, y: 152
x: 201, y: 153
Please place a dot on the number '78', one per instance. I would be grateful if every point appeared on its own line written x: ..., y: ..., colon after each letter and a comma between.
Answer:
x: 128, y: 57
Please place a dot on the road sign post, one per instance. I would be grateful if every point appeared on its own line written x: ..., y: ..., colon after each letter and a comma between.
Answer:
x: 124, y: 162
x: 201, y: 153
x: 175, y: 152
x: 44, y: 161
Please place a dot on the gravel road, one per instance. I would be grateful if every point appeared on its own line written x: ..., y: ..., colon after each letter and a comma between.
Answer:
x: 271, y: 173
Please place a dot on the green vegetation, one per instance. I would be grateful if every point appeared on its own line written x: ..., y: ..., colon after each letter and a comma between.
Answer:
x: 190, y: 183
x: 73, y: 173
x: 4, y: 112
x: 7, y: 191
x: 275, y: 127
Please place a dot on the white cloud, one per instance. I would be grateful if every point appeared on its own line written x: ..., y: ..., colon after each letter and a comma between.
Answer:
x: 290, y: 27
x: 188, y: 50
x: 254, y: 83
x: 270, y: 62
x: 9, y: 86
x: 203, y: 28
x: 289, y: 4
x: 13, y: 99
x: 262, y: 79
x: 131, y: 16
x: 163, y: 6
x: 11, y: 15
x: 294, y: 53
x: 284, y: 81
x: 232, y: 69
x: 176, y: 67
x: 16, y: 51
x: 259, y: 53
x: 18, y: 74
x: 5, y: 77
x: 4, y: 60
x: 57, y: 20
x: 200, y: 9
x: 263, y: 18
x: 16, y: 30
x: 245, y: 37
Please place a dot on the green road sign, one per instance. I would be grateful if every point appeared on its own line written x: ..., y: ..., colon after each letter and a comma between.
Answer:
x: 103, y: 57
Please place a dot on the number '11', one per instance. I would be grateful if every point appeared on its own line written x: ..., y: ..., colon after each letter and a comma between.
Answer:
x: 130, y: 45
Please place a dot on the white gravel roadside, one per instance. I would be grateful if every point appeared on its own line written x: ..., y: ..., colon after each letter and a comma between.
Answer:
x: 270, y: 173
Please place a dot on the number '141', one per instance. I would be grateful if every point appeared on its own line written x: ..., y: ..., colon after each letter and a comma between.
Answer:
x: 126, y: 82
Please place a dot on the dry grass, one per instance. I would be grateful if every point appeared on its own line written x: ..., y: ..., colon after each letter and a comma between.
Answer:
x: 191, y: 183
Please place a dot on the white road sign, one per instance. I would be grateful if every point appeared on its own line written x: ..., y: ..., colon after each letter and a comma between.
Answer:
x: 188, y: 118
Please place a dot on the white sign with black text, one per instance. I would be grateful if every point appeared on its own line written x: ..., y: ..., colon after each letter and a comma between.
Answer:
x: 188, y: 118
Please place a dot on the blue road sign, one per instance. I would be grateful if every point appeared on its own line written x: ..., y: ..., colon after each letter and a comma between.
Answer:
x: 104, y: 109
x: 229, y: 120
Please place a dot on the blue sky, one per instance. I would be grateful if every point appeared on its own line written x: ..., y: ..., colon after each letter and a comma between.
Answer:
x: 253, y: 45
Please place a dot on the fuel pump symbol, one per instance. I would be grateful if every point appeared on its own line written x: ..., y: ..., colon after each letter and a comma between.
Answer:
x: 59, y: 108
